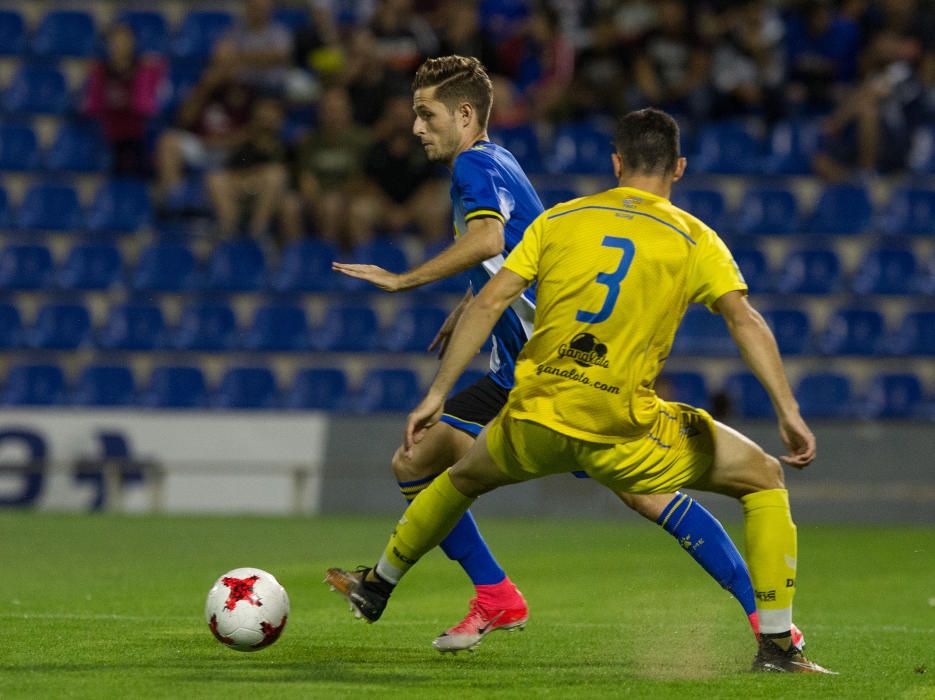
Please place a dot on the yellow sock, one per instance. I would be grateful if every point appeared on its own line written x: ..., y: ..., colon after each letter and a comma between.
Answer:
x: 771, y: 555
x: 426, y: 522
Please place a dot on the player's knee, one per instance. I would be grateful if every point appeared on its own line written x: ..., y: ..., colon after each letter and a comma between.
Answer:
x: 772, y: 472
x: 404, y: 468
x: 765, y: 473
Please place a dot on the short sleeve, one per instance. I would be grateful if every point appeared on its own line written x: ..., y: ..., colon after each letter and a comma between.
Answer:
x: 480, y: 187
x: 524, y: 260
x: 714, y: 272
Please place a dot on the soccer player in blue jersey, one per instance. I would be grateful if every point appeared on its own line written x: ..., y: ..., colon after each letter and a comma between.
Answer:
x: 493, y: 203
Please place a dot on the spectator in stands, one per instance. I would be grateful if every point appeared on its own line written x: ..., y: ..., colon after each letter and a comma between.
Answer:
x: 329, y: 169
x: 747, y: 69
x: 404, y: 39
x: 402, y: 188
x: 212, y: 123
x: 672, y: 65
x: 604, y: 62
x: 541, y: 61
x: 369, y: 82
x: 264, y: 48
x: 123, y: 95
x: 509, y: 108
x: 821, y: 47
x: 255, y: 175
x: 460, y: 34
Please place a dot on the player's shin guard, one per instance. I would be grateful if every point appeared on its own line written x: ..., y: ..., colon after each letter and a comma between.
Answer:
x: 464, y: 544
x: 426, y: 522
x: 702, y: 536
x: 771, y: 553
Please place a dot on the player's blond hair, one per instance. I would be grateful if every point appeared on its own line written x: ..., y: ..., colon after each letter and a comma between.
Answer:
x: 458, y: 79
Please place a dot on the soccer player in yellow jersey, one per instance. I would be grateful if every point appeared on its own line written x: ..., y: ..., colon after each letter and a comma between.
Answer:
x: 615, y: 272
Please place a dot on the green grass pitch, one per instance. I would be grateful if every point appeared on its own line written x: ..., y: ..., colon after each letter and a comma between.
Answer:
x: 111, y: 606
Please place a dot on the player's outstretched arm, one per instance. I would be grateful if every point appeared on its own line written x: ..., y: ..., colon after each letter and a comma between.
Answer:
x: 469, y: 335
x: 482, y: 240
x: 761, y: 354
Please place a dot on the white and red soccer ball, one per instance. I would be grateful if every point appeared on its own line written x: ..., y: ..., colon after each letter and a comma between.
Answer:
x: 247, y: 609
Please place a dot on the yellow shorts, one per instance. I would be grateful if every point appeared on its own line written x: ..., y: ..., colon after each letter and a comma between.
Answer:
x: 677, y: 451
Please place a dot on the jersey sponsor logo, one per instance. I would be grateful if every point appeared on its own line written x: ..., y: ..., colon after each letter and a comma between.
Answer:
x: 766, y: 596
x: 586, y: 350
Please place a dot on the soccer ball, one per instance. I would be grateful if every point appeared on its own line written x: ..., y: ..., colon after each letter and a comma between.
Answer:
x: 247, y: 609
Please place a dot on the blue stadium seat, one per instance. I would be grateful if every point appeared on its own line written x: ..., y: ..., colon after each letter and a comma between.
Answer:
x: 306, y: 267
x: 388, y: 390
x: 893, y: 396
x: 37, y: 89
x: 165, y: 267
x: 12, y: 33
x: 915, y: 335
x: 175, y: 387
x: 50, y: 207
x: 791, y: 147
x: 469, y: 377
x: 792, y: 330
x: 922, y: 153
x: 278, y: 328
x: 550, y: 196
x: 236, y: 266
x: 380, y: 252
x: 78, y: 147
x: 65, y: 33
x: 703, y: 333
x: 824, y: 395
x: 523, y: 142
x: 318, y: 390
x: 754, y: 267
x: 19, y: 149
x: 841, y: 209
x: 11, y: 327
x: 133, y: 327
x: 247, y: 387
x: 707, y: 205
x: 581, y: 148
x: 34, y: 385
x: 25, y: 266
x: 853, y: 332
x: 6, y: 218
x: 119, y: 206
x: 766, y: 211
x: 684, y: 387
x: 728, y: 148
x: 91, y: 266
x: 887, y: 270
x: 910, y: 212
x: 292, y: 17
x: 347, y: 328
x: 105, y: 385
x: 748, y: 397
x: 205, y: 327
x: 199, y: 31
x: 810, y: 271
x: 413, y: 329
x: 60, y: 327
x: 149, y: 28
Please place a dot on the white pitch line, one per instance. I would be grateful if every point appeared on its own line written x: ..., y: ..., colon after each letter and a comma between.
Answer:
x: 92, y: 616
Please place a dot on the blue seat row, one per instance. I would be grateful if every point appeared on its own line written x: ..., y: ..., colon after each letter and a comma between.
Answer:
x: 849, y: 331
x: 73, y: 33
x: 78, y: 147
x: 119, y: 206
x: 819, y: 394
x: 175, y: 387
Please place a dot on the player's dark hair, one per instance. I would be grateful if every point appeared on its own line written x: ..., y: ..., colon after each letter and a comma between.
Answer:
x: 457, y: 79
x: 647, y: 142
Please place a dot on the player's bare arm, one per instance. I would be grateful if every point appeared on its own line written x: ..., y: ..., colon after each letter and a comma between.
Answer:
x: 469, y: 335
x: 441, y: 339
x: 761, y: 354
x: 482, y: 240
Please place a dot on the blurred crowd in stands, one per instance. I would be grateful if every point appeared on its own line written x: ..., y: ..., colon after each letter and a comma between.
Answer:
x: 305, y: 125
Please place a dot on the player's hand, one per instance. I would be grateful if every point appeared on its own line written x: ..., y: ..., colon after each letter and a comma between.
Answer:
x: 375, y: 275
x: 425, y: 415
x: 799, y: 441
x: 440, y: 342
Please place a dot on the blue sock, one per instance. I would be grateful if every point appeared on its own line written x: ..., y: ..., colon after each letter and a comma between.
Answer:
x: 702, y: 536
x: 464, y: 544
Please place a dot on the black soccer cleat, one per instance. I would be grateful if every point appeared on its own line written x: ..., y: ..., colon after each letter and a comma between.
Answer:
x: 770, y: 657
x: 367, y: 598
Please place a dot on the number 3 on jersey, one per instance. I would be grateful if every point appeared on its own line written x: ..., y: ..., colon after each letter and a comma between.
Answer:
x: 611, y: 280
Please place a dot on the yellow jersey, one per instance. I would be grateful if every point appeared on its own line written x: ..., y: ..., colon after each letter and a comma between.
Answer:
x: 615, y: 272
